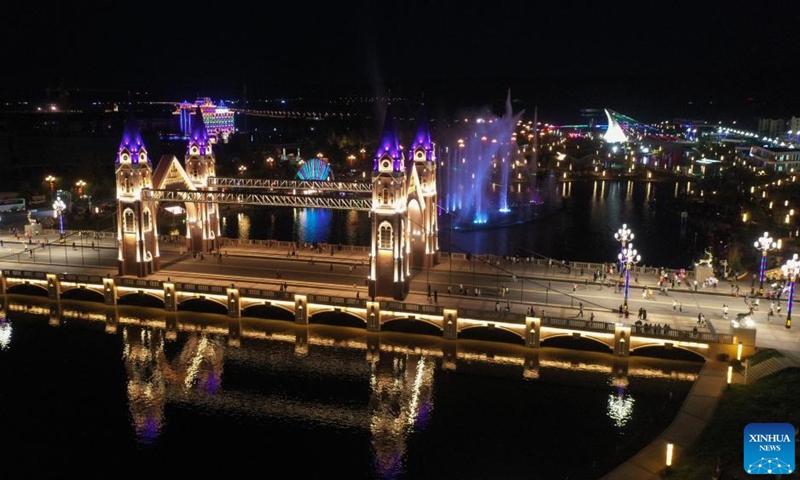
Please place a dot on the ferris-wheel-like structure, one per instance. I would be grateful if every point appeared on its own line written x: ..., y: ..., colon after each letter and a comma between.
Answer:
x: 315, y: 169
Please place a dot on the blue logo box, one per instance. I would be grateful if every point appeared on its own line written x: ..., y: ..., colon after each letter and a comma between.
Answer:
x: 769, y: 448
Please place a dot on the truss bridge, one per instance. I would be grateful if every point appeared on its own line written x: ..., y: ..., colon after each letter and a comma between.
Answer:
x: 279, y: 197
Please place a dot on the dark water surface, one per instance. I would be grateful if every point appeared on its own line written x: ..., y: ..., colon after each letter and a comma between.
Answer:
x: 582, y: 229
x: 90, y: 391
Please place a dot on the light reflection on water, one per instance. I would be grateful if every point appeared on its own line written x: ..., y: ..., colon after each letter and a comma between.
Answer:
x: 376, y: 404
x: 582, y: 230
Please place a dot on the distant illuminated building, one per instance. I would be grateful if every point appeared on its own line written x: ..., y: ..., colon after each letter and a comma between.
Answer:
x: 614, y: 134
x: 217, y: 118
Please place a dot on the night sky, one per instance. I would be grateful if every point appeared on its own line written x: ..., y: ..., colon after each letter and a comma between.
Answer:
x: 645, y: 59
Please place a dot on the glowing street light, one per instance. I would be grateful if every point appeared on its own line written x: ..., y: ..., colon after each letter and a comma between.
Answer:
x: 58, y: 208
x: 790, y: 270
x: 629, y: 256
x: 623, y: 235
x: 52, y: 181
x: 80, y: 184
x: 765, y: 244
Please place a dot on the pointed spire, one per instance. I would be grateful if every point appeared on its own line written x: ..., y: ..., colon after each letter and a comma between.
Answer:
x: 131, y: 139
x: 509, y: 111
x: 422, y: 137
x: 390, y: 144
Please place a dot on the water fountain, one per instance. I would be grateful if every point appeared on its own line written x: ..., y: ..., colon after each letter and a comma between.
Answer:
x: 488, y: 181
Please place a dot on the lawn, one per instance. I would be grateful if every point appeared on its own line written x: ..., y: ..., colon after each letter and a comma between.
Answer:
x: 771, y: 399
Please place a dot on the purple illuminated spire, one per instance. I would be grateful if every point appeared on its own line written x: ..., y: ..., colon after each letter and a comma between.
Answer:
x: 422, y: 138
x: 199, y: 134
x: 390, y: 144
x: 131, y: 140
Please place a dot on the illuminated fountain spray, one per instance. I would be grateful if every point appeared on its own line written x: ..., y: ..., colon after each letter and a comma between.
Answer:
x: 487, y: 181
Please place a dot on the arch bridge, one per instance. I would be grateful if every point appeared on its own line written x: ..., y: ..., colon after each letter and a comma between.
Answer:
x: 450, y: 323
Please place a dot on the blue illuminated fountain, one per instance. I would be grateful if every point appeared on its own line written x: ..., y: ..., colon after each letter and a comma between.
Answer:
x: 487, y: 181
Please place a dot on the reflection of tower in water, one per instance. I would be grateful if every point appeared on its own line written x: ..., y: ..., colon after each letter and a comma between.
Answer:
x: 198, y: 367
x: 401, y: 402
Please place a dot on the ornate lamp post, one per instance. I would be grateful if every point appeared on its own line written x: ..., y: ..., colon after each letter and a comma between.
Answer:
x: 80, y: 184
x: 58, y: 207
x: 629, y: 256
x: 790, y: 270
x: 623, y: 236
x: 51, y: 180
x: 765, y: 244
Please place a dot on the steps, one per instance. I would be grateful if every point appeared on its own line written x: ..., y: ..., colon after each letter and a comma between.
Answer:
x: 768, y: 367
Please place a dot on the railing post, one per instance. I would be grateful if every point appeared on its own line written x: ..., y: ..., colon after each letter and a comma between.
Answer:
x: 373, y: 316
x: 170, y: 297
x: 3, y: 283
x: 53, y: 286
x: 622, y: 340
x: 533, y: 331
x: 109, y: 291
x: 300, y: 309
x: 450, y: 319
x: 234, y: 306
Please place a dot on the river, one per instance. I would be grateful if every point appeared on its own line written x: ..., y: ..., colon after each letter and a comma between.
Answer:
x: 95, y: 391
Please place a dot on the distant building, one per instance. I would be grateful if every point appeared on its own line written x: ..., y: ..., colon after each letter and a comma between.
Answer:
x: 771, y: 127
x: 778, y: 159
x: 218, y: 119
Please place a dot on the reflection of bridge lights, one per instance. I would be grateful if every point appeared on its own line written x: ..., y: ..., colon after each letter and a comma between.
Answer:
x: 620, y: 408
x: 5, y: 334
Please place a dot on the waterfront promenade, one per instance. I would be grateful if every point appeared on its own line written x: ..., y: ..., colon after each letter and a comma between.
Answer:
x: 540, y: 284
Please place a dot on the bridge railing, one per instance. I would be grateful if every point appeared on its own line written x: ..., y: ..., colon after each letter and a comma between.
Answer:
x: 139, y: 283
x: 269, y: 294
x: 491, y: 316
x: 578, y: 323
x: 78, y: 278
x: 25, y: 274
x: 338, y: 301
x: 412, y: 308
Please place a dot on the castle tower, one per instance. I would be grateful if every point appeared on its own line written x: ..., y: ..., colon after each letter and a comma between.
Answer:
x: 202, y: 228
x: 136, y: 219
x: 389, y: 268
x: 425, y: 221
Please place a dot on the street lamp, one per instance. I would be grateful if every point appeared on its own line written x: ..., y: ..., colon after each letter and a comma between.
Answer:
x: 764, y: 244
x: 80, y: 184
x: 52, y: 181
x: 629, y: 256
x: 623, y: 236
x: 58, y: 207
x: 790, y: 270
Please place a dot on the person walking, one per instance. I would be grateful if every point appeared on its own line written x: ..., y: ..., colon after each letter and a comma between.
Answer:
x: 580, y: 310
x: 725, y: 310
x: 674, y: 304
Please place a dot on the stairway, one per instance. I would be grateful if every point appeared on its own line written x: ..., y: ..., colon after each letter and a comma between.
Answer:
x: 768, y: 367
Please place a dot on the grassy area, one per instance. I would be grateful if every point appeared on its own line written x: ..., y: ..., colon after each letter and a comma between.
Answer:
x: 772, y: 399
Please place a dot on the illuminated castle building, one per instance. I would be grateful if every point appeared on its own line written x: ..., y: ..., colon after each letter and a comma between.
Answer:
x: 218, y: 119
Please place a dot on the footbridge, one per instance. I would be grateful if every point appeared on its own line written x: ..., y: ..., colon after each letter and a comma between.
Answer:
x: 401, y: 197
x: 450, y: 321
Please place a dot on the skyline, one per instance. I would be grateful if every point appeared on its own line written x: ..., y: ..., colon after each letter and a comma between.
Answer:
x: 563, y: 57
